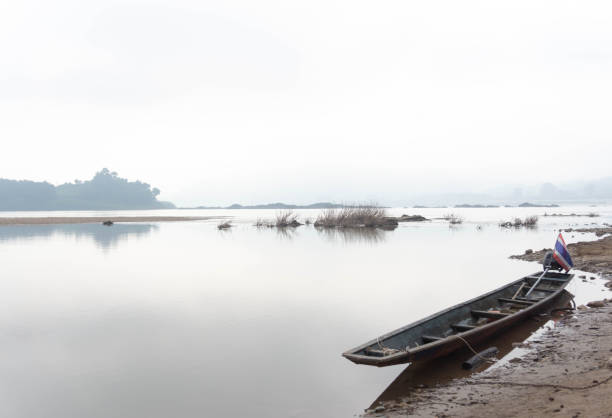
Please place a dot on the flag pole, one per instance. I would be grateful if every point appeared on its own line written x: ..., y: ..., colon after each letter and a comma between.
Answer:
x: 537, y: 282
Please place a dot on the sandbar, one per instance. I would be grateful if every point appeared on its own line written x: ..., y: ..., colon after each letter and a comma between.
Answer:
x: 55, y: 220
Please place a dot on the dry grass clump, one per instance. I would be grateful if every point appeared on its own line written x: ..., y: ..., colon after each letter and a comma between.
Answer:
x: 286, y: 218
x: 328, y: 218
x: 354, y: 217
x: 528, y: 222
x: 263, y: 223
x: 283, y: 219
x: 453, y: 218
x: 224, y: 225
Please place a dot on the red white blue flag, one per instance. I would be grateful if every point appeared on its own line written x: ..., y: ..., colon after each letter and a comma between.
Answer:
x: 562, y: 255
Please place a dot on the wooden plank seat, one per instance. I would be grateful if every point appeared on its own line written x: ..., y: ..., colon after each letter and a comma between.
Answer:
x: 490, y: 314
x: 528, y: 299
x: 550, y: 279
x: 430, y: 338
x: 462, y: 327
x: 537, y: 289
x: 517, y: 301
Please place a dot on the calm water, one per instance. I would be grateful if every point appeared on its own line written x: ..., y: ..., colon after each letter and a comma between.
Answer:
x: 180, y: 319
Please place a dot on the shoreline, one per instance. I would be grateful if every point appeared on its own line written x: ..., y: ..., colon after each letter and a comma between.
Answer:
x: 59, y: 220
x: 590, y: 256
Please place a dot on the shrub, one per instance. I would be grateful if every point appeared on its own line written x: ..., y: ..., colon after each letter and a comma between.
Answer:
x: 263, y: 223
x: 355, y: 216
x: 286, y: 218
x: 528, y: 222
x: 453, y: 218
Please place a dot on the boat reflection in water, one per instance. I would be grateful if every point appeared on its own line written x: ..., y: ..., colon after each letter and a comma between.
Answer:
x: 444, y: 369
x: 105, y: 237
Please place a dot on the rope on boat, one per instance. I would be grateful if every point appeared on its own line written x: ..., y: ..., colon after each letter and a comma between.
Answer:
x: 489, y: 360
x: 386, y: 350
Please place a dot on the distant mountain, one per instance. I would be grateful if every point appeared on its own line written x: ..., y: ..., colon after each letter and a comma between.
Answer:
x: 278, y: 205
x: 465, y: 205
x: 543, y: 195
x: 535, y: 205
x: 105, y: 191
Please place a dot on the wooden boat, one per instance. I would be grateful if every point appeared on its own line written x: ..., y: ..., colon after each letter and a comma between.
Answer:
x: 472, y: 322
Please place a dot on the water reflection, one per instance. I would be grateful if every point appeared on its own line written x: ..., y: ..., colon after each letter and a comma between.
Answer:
x: 287, y: 233
x: 354, y: 235
x: 105, y: 237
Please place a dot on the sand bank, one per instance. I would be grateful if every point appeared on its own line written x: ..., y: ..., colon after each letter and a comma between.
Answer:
x: 591, y: 256
x: 98, y: 219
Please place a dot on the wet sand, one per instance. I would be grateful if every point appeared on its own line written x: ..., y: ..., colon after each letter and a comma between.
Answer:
x: 98, y: 219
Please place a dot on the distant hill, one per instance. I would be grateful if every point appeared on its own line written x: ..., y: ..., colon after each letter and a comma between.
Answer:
x: 534, y: 205
x: 105, y: 191
x: 278, y: 205
x: 465, y: 205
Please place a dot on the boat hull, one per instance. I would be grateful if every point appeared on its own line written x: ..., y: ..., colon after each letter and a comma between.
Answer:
x: 447, y: 344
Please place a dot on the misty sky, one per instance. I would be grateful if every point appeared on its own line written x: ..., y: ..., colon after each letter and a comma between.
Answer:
x: 258, y: 101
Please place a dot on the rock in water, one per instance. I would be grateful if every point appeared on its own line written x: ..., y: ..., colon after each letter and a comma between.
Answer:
x: 412, y: 218
x: 596, y: 304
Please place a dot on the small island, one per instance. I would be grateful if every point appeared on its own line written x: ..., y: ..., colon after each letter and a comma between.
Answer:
x: 105, y: 191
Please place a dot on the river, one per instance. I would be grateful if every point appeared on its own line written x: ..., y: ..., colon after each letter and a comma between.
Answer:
x: 182, y: 319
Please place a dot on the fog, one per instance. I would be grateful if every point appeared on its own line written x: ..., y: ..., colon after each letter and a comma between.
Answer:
x: 237, y: 101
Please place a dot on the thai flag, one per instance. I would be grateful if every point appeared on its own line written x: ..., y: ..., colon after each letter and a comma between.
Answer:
x: 562, y: 255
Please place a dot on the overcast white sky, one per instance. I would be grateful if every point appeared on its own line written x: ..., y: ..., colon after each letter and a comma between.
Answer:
x: 258, y: 101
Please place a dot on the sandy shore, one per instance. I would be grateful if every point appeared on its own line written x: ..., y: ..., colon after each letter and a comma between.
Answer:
x: 98, y: 219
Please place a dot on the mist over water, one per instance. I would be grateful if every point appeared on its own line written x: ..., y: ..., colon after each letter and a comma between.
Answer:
x: 180, y: 319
